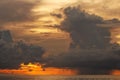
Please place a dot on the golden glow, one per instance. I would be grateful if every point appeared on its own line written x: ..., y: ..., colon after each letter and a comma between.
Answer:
x: 45, y: 30
x: 31, y: 67
x: 49, y: 6
x: 115, y: 35
x: 36, y: 69
x: 116, y: 72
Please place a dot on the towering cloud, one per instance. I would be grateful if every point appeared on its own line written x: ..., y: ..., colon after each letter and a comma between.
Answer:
x: 90, y: 51
x: 84, y: 29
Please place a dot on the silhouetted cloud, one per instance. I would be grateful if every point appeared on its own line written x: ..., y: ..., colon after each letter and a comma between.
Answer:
x: 88, y: 61
x: 84, y: 30
x: 12, y: 54
x: 91, y: 51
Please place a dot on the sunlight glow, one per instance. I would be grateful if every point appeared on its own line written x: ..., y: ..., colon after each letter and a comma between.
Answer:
x: 116, y: 72
x: 45, y: 30
x: 37, y: 69
x: 115, y: 35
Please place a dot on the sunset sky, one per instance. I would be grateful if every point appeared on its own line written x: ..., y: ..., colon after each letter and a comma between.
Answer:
x: 40, y: 30
x: 57, y: 26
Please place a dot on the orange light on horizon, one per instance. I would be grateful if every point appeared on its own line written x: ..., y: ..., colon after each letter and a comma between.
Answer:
x: 116, y: 72
x: 36, y: 69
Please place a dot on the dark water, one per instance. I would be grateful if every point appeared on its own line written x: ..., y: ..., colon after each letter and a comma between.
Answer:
x: 16, y: 77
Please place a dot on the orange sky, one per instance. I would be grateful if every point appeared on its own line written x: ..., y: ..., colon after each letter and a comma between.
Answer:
x: 36, y: 69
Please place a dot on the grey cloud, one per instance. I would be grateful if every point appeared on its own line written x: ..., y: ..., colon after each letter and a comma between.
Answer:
x: 16, y: 11
x: 84, y: 30
x: 87, y: 61
x: 12, y: 54
x: 90, y: 51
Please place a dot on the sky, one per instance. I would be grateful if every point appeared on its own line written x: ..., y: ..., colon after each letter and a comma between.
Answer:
x: 40, y: 10
x: 65, y: 29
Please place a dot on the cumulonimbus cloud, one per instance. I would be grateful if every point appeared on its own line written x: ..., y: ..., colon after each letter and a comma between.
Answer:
x: 91, y: 51
x: 84, y: 30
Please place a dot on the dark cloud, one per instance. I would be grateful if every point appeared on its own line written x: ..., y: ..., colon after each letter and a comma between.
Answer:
x: 16, y: 11
x: 87, y: 61
x: 12, y: 54
x: 84, y: 30
x: 90, y: 51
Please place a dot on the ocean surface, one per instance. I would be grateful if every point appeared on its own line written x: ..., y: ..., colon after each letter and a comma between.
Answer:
x: 81, y: 77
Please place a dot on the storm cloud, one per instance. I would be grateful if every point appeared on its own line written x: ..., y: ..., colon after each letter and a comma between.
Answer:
x: 12, y: 54
x: 91, y: 51
x: 88, y: 61
x: 84, y: 29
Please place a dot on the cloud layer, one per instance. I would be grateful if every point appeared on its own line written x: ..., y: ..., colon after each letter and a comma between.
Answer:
x: 87, y: 61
